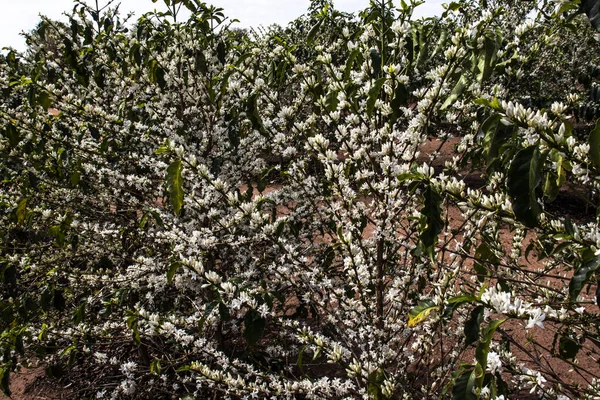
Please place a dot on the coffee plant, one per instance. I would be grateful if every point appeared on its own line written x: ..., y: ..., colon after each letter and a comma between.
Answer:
x: 353, y: 206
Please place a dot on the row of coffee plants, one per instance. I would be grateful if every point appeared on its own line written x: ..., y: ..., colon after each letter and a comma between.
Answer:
x: 190, y: 210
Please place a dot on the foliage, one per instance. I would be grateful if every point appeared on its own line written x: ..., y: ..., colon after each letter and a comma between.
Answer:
x: 188, y: 209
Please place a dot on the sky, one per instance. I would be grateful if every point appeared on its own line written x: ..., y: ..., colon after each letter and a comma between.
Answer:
x: 23, y: 15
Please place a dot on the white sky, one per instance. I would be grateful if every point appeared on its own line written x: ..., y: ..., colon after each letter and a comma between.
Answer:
x: 23, y: 15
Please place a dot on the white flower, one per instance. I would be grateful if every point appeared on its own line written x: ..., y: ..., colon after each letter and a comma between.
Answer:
x: 558, y: 108
x: 128, y: 368
x: 536, y: 316
x: 494, y: 363
x: 101, y: 358
x: 539, y: 381
x: 128, y: 387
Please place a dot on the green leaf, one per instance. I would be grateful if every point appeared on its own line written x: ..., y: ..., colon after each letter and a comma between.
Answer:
x: 79, y: 314
x: 374, y: 94
x: 466, y: 298
x: 594, y: 142
x: 496, y: 134
x: 568, y: 347
x: 419, y: 313
x: 592, y: 10
x: 376, y: 380
x: 253, y: 115
x: 401, y: 95
x: 172, y: 270
x: 254, y: 326
x: 159, y: 73
x: 313, y: 31
x: 463, y: 386
x: 581, y: 277
x: 21, y: 211
x: 486, y: 59
x: 58, y: 300
x: 54, y: 371
x: 221, y: 52
x: 350, y: 63
x: 332, y: 100
x: 12, y: 135
x: 5, y: 379
x: 432, y: 213
x: 423, y: 46
x: 94, y: 132
x: 483, y: 348
x: 155, y: 367
x: 200, y: 62
x: 224, y: 312
x: 75, y: 178
x: 175, y: 185
x: 376, y: 62
x: 46, y: 299
x: 484, y: 255
x: 524, y: 176
x: 458, y: 90
x: 44, y: 100
x: 473, y: 324
x: 157, y: 218
x: 301, y: 357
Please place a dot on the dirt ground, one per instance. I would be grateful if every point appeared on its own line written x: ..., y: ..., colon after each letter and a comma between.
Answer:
x: 32, y: 384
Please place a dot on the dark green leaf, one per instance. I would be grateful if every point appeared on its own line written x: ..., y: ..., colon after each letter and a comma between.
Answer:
x: 495, y: 134
x: 568, y: 347
x: 400, y: 99
x: 423, y: 46
x: 458, y: 90
x: 473, y: 324
x: 79, y: 314
x: 581, y: 277
x: 253, y: 115
x: 376, y: 62
x: 486, y: 59
x: 94, y: 132
x: 374, y: 95
x: 54, y: 371
x: 224, y: 312
x: 463, y: 386
x: 172, y: 270
x: 350, y: 63
x: 44, y: 100
x: 376, y: 380
x: 13, y: 135
x: 5, y: 379
x: 592, y: 10
x: 157, y: 218
x: 594, y: 142
x: 483, y: 348
x: 59, y: 300
x: 254, y: 327
x: 432, y: 213
x: 524, y: 177
x: 75, y: 178
x: 483, y: 256
x: 313, y: 31
x: 221, y: 52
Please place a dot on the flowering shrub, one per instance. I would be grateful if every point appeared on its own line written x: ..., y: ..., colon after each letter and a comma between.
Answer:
x: 193, y: 210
